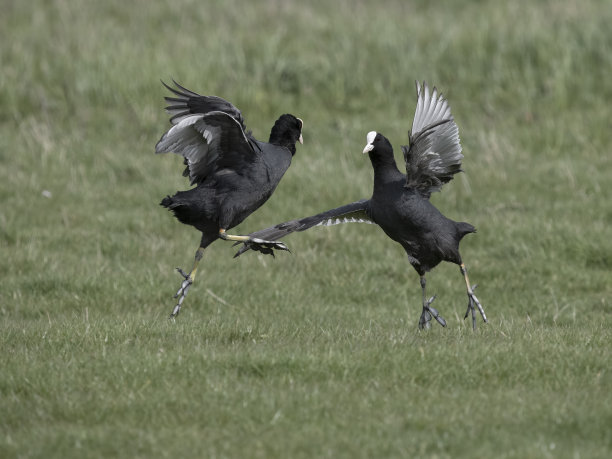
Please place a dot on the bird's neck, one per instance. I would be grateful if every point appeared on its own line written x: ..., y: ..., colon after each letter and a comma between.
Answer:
x: 385, y: 170
x: 282, y: 141
x: 281, y: 134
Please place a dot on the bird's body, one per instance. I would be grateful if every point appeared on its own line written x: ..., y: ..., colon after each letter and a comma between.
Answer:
x: 400, y: 202
x: 227, y: 198
x: 234, y: 174
x: 409, y: 218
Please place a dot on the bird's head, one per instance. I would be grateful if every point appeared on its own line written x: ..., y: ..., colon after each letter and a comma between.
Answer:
x: 287, y: 131
x: 377, y: 145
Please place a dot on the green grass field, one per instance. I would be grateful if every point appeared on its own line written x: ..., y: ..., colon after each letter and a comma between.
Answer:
x: 315, y: 353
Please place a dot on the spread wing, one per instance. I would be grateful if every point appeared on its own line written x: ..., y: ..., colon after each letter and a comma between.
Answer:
x: 355, y: 212
x: 433, y: 156
x: 208, y: 132
x: 185, y: 102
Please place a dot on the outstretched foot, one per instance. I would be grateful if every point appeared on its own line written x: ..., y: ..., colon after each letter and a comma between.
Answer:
x: 182, y: 292
x: 428, y: 313
x: 473, y: 303
x: 261, y: 245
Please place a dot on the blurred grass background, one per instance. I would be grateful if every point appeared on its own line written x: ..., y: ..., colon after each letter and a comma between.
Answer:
x: 314, y: 354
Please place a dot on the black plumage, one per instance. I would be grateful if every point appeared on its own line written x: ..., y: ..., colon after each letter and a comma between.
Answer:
x: 233, y: 173
x: 400, y: 202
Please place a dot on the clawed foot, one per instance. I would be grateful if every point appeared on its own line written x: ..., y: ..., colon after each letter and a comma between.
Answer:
x: 473, y: 303
x: 428, y: 313
x: 261, y: 245
x: 182, y: 292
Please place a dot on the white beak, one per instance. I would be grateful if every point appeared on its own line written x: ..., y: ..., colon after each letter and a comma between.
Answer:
x: 301, y: 139
x: 369, y: 147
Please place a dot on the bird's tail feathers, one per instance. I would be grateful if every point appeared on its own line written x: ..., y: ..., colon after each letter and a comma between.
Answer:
x: 182, y: 208
x: 167, y: 202
x: 465, y: 228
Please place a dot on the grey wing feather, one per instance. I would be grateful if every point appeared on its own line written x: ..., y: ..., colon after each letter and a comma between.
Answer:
x: 355, y: 212
x: 434, y: 154
x: 204, y: 140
